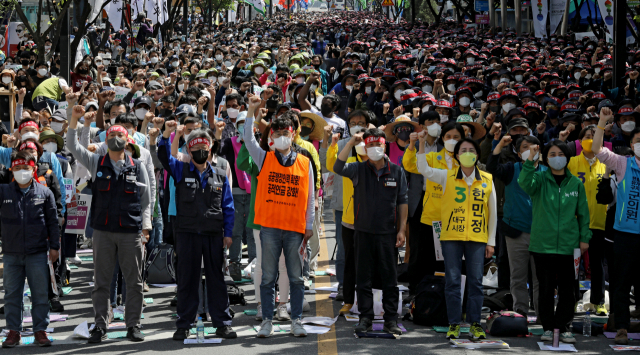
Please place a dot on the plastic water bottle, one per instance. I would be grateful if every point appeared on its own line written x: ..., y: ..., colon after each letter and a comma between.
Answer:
x: 586, y: 325
x: 26, y: 307
x: 200, y: 330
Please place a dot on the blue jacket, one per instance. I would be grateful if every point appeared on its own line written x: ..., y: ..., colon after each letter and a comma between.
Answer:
x: 35, y: 231
x: 627, y: 218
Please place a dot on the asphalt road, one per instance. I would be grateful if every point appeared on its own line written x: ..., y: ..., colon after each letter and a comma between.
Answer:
x: 158, y: 326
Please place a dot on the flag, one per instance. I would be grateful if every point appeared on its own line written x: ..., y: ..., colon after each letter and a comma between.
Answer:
x: 258, y: 5
x: 96, y: 5
x: 114, y: 12
x: 157, y: 11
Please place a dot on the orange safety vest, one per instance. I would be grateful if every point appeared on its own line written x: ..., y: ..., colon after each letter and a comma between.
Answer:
x: 282, y: 194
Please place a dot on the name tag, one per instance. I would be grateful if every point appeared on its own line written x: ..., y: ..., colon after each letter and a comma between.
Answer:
x: 189, y: 180
x: 38, y: 201
x: 131, y: 178
x: 390, y: 184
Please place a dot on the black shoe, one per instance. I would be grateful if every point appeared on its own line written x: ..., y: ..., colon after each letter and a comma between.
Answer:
x: 340, y: 295
x: 174, y: 301
x: 2, y: 310
x: 365, y: 325
x: 134, y: 334
x: 226, y: 332
x: 181, y: 334
x: 97, y: 335
x: 55, y: 305
x: 392, y: 327
x: 235, y: 271
x: 521, y: 312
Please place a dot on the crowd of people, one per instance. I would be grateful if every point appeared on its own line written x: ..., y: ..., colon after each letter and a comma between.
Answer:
x: 244, y: 133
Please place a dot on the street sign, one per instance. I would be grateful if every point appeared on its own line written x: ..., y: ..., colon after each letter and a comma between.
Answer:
x: 481, y: 5
x: 390, y: 3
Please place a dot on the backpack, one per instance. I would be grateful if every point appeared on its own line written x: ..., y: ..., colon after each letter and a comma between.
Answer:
x: 499, y: 301
x: 429, y: 306
x: 235, y: 294
x: 507, y: 324
x: 160, y: 265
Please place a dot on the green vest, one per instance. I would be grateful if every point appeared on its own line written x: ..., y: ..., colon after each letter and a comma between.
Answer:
x: 49, y: 88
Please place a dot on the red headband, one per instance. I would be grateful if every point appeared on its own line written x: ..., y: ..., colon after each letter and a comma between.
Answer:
x: 28, y: 123
x: 118, y: 129
x: 374, y: 139
x: 26, y: 145
x: 198, y: 141
x: 23, y: 162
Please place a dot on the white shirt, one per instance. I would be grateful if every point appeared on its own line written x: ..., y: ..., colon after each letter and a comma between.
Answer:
x: 334, y: 120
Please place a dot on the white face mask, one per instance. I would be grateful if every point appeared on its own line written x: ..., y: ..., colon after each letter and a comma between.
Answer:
x: 6, y: 79
x: 495, y: 82
x: 130, y: 130
x: 113, y: 121
x: 444, y: 118
x: 227, y: 63
x: 141, y: 112
x: 50, y: 147
x: 504, y: 80
x: 23, y: 176
x: 427, y: 88
x: 42, y: 72
x: 450, y: 145
x: 434, y: 130
x: 232, y: 112
x: 175, y: 64
x: 367, y: 90
x: 219, y: 57
x: 375, y: 153
x: 636, y: 149
x: 360, y: 149
x: 576, y: 75
x: 47, y: 48
x: 597, y: 70
x: 451, y: 87
x: 471, y: 60
x: 588, y: 76
x: 180, y: 87
x: 465, y: 101
x: 282, y: 143
x: 355, y: 129
x: 313, y: 87
x: 57, y: 126
x: 519, y: 78
x: 259, y: 70
x: 628, y: 126
x: 349, y: 88
x: 107, y: 61
x: 478, y: 94
x: 508, y: 106
x: 29, y: 135
x: 397, y: 95
x: 154, y: 60
x: 299, y: 80
x: 526, y: 154
x: 220, y: 79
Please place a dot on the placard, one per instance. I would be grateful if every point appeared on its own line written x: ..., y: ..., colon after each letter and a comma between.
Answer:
x: 437, y: 228
x: 482, y: 19
x: 68, y: 188
x: 77, y: 213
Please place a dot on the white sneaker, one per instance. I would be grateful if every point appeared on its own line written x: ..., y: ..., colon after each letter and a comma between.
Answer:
x: 282, y: 313
x: 266, y: 329
x: 87, y: 244
x: 297, y: 329
x: 75, y: 260
x: 259, y: 314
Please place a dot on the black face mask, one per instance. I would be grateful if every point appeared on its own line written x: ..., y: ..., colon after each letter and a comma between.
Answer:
x: 200, y: 156
x: 82, y: 71
x: 404, y: 135
x: 25, y: 62
x: 21, y: 78
x: 165, y: 112
x: 326, y: 110
x: 305, y: 131
x: 316, y: 66
x: 515, y: 138
x: 533, y: 118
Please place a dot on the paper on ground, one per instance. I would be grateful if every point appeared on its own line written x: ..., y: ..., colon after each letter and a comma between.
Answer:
x: 312, y: 329
x: 326, y: 321
x: 332, y: 288
x: 84, y: 251
x: 561, y: 347
x: 52, y: 318
x: 352, y: 317
x: 206, y: 341
x: 163, y: 285
x: 625, y: 347
x: 81, y: 331
x: 486, y: 344
x: 331, y: 271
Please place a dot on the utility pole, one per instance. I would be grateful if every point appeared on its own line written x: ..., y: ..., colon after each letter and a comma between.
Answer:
x: 492, y: 14
x: 64, y: 43
x: 619, y: 44
x: 185, y: 20
x: 503, y: 15
x: 518, y: 11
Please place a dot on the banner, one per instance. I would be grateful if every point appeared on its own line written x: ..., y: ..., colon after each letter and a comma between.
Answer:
x: 556, y: 12
x: 114, y: 12
x: 540, y: 19
x: 258, y: 5
x: 83, y: 49
x: 606, y: 12
x: 156, y: 11
x: 17, y: 34
x: 77, y: 213
x: 482, y: 19
x: 96, y: 5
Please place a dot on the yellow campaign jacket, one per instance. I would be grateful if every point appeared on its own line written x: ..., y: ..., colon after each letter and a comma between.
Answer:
x: 314, y: 154
x: 433, y: 193
x: 465, y: 209
x: 591, y: 175
x: 347, y: 185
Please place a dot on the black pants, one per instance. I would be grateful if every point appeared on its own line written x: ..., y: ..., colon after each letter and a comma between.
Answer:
x: 502, y: 258
x: 422, y: 260
x: 349, y: 279
x: 192, y: 249
x: 554, y: 270
x: 376, y: 260
x: 626, y: 249
x: 597, y: 255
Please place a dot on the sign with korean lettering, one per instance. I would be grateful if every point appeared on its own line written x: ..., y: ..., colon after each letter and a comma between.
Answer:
x: 68, y: 188
x: 482, y: 19
x: 437, y: 228
x: 78, y: 213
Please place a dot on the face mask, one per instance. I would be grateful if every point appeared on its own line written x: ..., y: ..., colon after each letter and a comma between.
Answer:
x: 355, y: 129
x: 154, y: 60
x: 326, y: 110
x: 200, y: 156
x: 56, y: 126
x: 397, y: 95
x: 597, y: 70
x: 526, y: 154
x: 426, y: 108
x: 434, y: 130
x: 478, y: 94
x: 315, y: 87
x: 451, y: 87
x: 471, y: 60
x: 227, y: 63
x: 360, y: 149
x: 519, y: 78
x: 508, y: 106
x: 107, y: 61
x: 116, y: 144
x: 282, y: 143
x: 628, y: 126
x: 300, y: 80
x: 495, y: 82
x: 42, y: 72
x: 444, y: 118
x: 404, y: 136
x: 636, y: 149
x: 219, y: 57
x: 504, y: 80
x: 29, y: 135
x: 349, y: 88
x: 367, y: 90
x: 141, y: 112
x: 128, y: 153
x: 450, y: 145
x: 175, y: 64
x: 465, y: 101
x: 6, y: 79
x: 259, y: 70
x: 275, y: 52
x: 305, y: 131
x: 427, y: 88
x: 232, y: 112
x: 221, y: 79
x: 467, y: 159
x: 587, y: 145
x: 588, y: 76
x: 23, y: 176
x: 557, y: 163
x: 180, y: 87
x: 375, y: 153
x: 50, y: 147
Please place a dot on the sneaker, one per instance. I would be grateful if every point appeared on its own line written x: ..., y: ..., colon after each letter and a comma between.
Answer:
x: 259, y: 313
x: 88, y: 244
x: 476, y: 332
x: 226, y: 332
x: 144, y: 303
x: 134, y: 334
x: 282, y: 314
x: 392, y: 327
x: 97, y: 335
x: 266, y: 329
x: 365, y: 325
x: 55, y: 305
x: 12, y: 339
x: 307, y: 284
x: 567, y: 337
x: 312, y: 274
x: 454, y: 331
x: 75, y: 260
x: 297, y: 329
x: 145, y: 287
x: 235, y: 271
x: 340, y: 295
x: 181, y: 334
x: 346, y: 309
x: 620, y: 339
x: 547, y: 336
x: 601, y: 310
x: 41, y: 338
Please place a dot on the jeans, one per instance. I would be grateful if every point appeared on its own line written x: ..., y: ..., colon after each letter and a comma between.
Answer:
x: 340, y: 255
x: 35, y: 268
x: 155, y: 237
x: 283, y: 279
x: 275, y: 242
x: 474, y: 256
x: 42, y: 102
x: 241, y: 205
x: 557, y: 271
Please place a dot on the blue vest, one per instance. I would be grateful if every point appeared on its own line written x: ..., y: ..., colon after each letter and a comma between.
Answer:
x: 115, y: 204
x: 628, y: 200
x: 199, y: 210
x: 517, y: 211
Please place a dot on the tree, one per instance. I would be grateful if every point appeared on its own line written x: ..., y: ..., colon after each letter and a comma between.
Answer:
x: 216, y: 7
x: 427, y: 11
x: 84, y: 23
x: 166, y: 29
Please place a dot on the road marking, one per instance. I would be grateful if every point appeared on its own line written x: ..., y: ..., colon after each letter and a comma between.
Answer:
x: 327, y: 344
